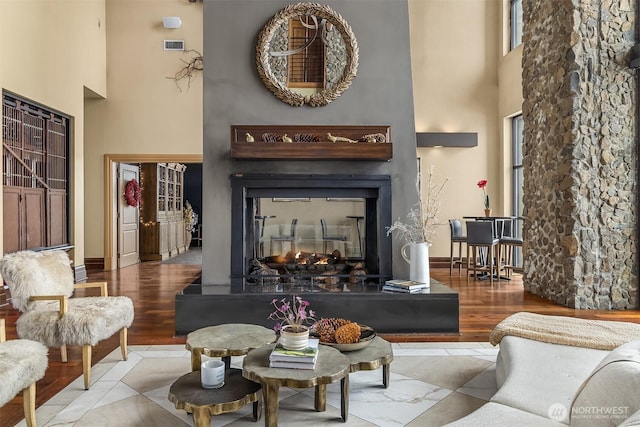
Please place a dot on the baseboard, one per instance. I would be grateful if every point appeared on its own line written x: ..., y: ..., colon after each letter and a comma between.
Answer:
x: 93, y: 264
x: 80, y: 273
x: 441, y: 262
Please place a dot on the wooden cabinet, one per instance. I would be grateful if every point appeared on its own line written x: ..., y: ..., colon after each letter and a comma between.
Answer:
x: 162, y: 228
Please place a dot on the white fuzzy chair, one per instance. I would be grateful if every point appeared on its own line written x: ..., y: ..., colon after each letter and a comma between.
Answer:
x: 41, y: 284
x: 22, y: 363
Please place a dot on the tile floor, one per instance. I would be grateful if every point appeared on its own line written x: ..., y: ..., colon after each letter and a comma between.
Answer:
x: 431, y: 384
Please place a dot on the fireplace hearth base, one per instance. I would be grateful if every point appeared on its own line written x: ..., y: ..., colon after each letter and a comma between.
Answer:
x: 436, y: 312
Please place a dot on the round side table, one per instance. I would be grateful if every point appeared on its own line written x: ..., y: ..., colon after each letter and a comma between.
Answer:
x: 232, y: 339
x: 375, y: 355
x: 331, y: 366
x: 187, y: 393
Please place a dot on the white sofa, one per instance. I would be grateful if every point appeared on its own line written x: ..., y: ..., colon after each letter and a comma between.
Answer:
x: 547, y: 384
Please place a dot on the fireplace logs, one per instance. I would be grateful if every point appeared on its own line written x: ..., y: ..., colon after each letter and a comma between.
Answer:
x: 326, y: 272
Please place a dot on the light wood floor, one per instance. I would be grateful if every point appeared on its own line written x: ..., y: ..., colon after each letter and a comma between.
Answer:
x: 152, y: 286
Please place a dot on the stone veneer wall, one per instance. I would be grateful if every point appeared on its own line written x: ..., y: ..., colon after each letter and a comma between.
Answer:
x: 580, y: 158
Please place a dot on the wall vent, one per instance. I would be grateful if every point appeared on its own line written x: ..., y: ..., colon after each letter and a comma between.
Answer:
x: 174, y: 45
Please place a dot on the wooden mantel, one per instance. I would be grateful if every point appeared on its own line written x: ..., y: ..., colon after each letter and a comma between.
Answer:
x: 313, y: 142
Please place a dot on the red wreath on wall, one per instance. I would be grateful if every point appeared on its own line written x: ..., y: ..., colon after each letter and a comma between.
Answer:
x: 132, y: 193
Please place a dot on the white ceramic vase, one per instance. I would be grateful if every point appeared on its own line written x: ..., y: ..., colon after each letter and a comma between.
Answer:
x: 187, y: 239
x: 291, y: 339
x: 418, y: 259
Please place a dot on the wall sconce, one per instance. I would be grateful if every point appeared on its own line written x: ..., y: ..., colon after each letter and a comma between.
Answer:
x: 172, y: 22
x: 447, y: 139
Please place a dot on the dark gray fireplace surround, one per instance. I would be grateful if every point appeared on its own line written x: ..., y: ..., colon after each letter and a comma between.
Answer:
x: 234, y: 94
x: 204, y: 305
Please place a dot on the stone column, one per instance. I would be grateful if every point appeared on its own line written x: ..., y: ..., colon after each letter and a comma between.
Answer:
x: 580, y: 153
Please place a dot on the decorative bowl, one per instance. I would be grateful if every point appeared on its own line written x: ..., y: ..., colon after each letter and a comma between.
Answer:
x: 367, y: 335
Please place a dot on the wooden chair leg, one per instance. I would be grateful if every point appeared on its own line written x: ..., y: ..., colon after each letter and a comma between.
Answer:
x: 86, y: 365
x: 123, y: 343
x: 508, y: 259
x: 460, y: 258
x: 29, y: 403
x: 63, y: 353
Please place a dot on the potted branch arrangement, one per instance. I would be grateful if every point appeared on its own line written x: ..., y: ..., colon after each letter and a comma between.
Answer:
x: 293, y: 319
x: 420, y: 228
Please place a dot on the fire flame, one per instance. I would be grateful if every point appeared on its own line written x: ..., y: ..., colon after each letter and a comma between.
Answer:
x: 324, y: 260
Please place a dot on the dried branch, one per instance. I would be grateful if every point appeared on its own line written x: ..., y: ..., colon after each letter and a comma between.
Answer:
x: 423, y: 218
x: 191, y: 66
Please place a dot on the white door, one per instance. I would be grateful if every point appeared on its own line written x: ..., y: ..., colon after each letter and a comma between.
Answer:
x: 128, y: 218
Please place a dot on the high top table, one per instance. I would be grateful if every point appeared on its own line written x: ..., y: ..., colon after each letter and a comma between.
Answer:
x: 331, y: 366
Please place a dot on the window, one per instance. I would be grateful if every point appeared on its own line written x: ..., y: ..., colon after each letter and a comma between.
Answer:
x: 35, y: 175
x: 516, y: 23
x: 306, y: 68
x: 517, y: 126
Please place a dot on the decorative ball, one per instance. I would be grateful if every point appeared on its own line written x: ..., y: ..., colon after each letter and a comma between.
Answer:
x: 348, y: 334
x: 326, y: 328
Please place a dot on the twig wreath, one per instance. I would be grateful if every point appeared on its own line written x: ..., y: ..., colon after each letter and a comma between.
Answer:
x: 132, y: 193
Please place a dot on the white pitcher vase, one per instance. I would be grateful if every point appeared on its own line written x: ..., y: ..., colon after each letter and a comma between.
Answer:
x: 418, y: 259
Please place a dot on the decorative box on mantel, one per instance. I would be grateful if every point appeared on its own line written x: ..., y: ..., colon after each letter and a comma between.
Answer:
x: 315, y: 142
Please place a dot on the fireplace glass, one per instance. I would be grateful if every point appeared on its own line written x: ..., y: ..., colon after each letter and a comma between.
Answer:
x: 309, y: 243
x: 310, y: 233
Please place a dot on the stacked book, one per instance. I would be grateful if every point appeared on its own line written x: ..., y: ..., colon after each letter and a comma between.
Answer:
x: 405, y: 286
x: 306, y: 358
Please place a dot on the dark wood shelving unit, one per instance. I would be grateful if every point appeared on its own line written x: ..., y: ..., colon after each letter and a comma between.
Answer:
x: 321, y: 149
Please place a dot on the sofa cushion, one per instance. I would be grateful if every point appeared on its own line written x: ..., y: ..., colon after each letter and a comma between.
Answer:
x: 610, y: 394
x: 537, y: 377
x: 632, y: 421
x: 497, y: 415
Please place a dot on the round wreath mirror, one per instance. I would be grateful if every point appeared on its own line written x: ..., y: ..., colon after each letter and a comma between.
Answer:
x: 307, y: 54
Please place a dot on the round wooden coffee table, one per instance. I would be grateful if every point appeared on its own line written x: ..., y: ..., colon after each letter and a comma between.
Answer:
x: 232, y: 339
x: 331, y: 366
x: 187, y: 393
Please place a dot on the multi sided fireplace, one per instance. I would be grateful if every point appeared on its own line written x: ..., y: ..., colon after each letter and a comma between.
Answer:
x: 310, y: 233
x: 263, y: 209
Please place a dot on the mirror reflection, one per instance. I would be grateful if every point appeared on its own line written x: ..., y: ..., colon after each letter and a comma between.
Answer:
x: 309, y: 225
x: 307, y: 53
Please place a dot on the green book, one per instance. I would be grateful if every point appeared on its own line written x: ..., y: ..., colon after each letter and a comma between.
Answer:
x: 308, y: 354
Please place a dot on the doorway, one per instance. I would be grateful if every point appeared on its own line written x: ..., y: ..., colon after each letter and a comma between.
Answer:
x: 112, y: 195
x: 128, y: 216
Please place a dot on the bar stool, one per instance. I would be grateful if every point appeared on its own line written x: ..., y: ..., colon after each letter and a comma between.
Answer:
x: 329, y: 238
x: 509, y: 242
x: 286, y: 237
x: 480, y: 234
x: 455, y: 226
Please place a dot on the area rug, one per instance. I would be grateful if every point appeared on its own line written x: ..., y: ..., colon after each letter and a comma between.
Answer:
x: 191, y: 257
x: 431, y: 384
